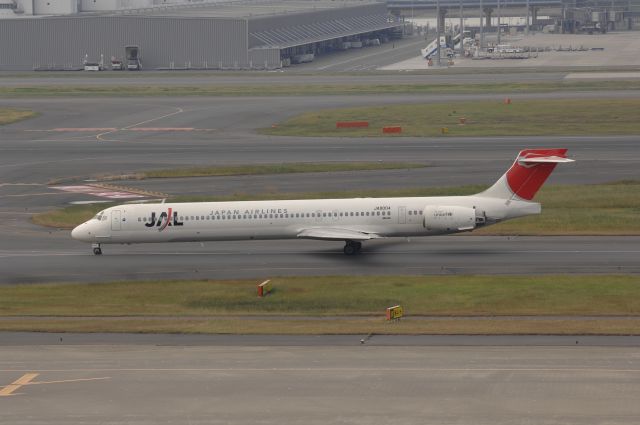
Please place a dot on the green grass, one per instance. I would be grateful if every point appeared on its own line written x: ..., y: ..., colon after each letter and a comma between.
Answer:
x: 557, y: 117
x: 310, y: 167
x: 291, y: 88
x: 10, y: 115
x: 68, y: 217
x: 358, y: 302
x: 599, y: 209
x: 340, y: 295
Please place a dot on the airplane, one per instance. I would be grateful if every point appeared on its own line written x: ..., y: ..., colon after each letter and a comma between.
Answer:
x: 350, y: 220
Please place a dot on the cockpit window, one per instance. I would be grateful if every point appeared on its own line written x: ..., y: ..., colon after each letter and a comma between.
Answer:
x: 99, y: 216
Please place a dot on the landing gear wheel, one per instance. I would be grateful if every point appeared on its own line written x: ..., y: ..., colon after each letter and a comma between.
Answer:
x: 349, y: 249
x: 352, y: 248
x: 96, y: 249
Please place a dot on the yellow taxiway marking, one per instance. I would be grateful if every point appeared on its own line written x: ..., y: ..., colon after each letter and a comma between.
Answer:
x: 27, y: 379
x: 23, y: 380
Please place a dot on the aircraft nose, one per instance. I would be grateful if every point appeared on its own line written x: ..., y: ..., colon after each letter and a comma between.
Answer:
x: 80, y: 232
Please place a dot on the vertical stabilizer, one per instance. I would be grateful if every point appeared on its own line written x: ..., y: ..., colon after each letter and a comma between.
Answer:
x: 528, y: 173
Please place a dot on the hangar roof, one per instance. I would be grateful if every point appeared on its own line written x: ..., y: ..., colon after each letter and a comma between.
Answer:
x: 241, y: 9
x: 320, y: 31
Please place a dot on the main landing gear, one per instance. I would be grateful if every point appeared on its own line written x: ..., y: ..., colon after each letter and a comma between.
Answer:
x: 352, y: 248
x: 96, y: 249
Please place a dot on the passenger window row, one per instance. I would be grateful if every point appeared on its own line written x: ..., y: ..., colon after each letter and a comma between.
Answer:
x: 277, y: 216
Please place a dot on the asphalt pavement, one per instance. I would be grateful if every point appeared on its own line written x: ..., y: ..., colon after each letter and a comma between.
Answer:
x: 156, y: 379
x: 319, y: 384
x: 40, y: 257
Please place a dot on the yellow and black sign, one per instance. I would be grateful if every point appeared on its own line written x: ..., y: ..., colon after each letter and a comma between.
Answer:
x: 395, y: 312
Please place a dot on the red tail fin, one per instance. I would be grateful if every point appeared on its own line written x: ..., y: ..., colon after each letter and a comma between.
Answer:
x: 526, y: 176
x: 528, y: 173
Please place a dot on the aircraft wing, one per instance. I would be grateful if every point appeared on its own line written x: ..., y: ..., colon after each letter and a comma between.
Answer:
x: 336, y: 234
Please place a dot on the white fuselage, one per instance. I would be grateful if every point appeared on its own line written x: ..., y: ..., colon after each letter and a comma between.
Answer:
x: 220, y: 221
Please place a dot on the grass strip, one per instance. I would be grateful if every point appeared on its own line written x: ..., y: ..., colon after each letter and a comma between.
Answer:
x: 10, y: 115
x: 310, y: 167
x: 599, y: 209
x: 338, y: 304
x: 564, y: 295
x: 363, y: 326
x: 289, y: 88
x: 551, y: 117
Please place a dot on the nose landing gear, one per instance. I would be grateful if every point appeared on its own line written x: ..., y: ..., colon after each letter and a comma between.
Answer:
x: 352, y: 247
x: 96, y: 249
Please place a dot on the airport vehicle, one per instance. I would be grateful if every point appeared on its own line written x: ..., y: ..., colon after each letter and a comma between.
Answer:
x: 505, y: 48
x: 350, y: 220
x: 304, y: 58
x: 92, y: 66
x: 432, y: 48
x: 132, y: 53
x: 117, y: 65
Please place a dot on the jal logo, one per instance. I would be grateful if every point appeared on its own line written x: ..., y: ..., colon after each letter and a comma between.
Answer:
x: 169, y: 218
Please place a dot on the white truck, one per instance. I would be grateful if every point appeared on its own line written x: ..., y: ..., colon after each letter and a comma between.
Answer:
x: 92, y: 66
x: 505, y: 48
x: 304, y: 58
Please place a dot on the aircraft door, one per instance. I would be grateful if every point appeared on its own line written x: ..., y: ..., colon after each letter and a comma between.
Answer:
x: 116, y: 219
x: 402, y: 215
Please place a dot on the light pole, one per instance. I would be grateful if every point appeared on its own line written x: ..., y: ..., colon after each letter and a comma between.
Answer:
x: 438, y: 33
x: 526, y: 28
x: 481, y: 25
x: 498, y: 21
x: 461, y: 31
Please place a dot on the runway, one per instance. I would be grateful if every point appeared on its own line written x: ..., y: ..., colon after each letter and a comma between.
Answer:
x: 53, y: 258
x: 36, y: 153
x: 329, y: 380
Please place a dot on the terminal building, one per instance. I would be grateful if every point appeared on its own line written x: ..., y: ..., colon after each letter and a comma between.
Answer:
x: 262, y: 34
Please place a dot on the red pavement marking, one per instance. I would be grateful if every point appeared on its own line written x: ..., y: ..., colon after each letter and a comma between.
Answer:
x: 99, y: 192
x: 70, y: 129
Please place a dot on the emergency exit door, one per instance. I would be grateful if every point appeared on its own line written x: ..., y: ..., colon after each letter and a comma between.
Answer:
x: 116, y: 218
x: 402, y: 215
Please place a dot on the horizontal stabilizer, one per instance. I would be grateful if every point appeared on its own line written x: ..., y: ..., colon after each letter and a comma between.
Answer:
x: 544, y: 159
x: 336, y: 234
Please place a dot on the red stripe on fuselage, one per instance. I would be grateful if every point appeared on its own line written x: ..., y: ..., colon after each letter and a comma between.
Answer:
x: 166, y: 223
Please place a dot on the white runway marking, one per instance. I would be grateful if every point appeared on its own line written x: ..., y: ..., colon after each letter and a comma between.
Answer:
x: 102, y: 139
